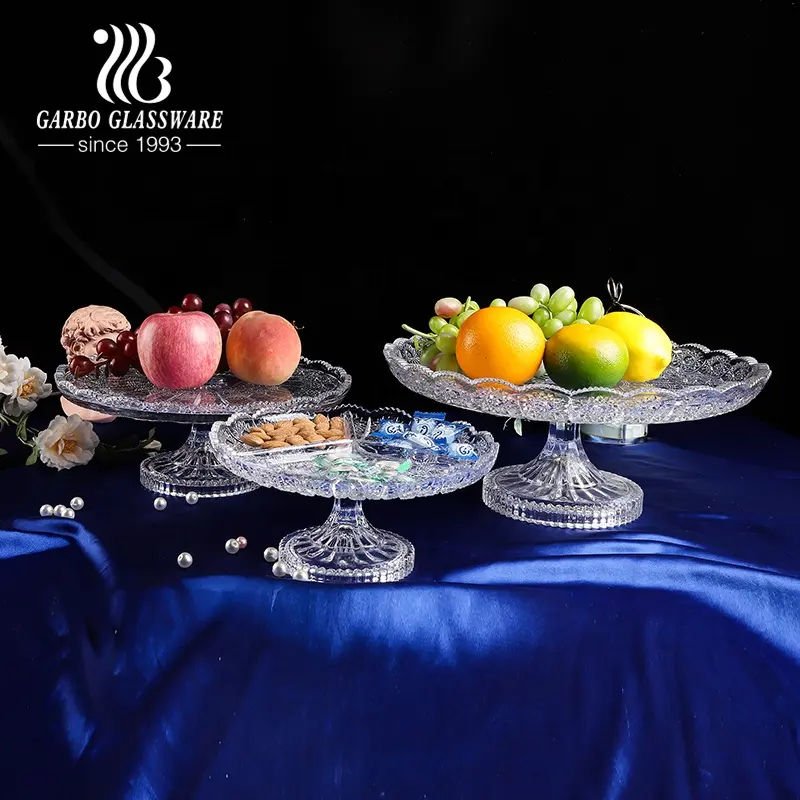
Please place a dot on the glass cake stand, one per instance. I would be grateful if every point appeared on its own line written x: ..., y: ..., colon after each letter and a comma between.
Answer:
x: 193, y: 466
x: 346, y: 548
x: 561, y: 487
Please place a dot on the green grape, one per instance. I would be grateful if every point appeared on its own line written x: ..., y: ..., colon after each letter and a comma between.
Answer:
x: 497, y: 302
x: 446, y: 343
x: 459, y: 319
x: 560, y: 299
x: 592, y: 309
x: 449, y: 330
x: 573, y: 305
x: 527, y: 305
x: 580, y: 321
x: 567, y: 316
x: 540, y: 293
x: 447, y: 363
x: 436, y: 324
x: 427, y: 357
x: 551, y: 326
x: 471, y: 305
x: 541, y: 315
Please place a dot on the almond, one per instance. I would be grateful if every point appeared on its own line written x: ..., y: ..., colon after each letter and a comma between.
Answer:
x: 315, y: 437
x: 267, y: 427
x: 301, y: 421
x: 273, y: 444
x: 334, y: 435
x: 338, y: 423
x: 295, y: 440
x: 253, y: 441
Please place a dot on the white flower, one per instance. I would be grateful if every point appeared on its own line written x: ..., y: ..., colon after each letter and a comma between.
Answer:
x: 10, y: 373
x: 67, y: 442
x: 32, y: 388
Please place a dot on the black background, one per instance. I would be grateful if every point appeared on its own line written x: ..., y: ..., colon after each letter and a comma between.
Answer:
x: 378, y: 156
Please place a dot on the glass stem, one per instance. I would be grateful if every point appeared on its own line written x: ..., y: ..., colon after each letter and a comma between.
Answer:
x: 562, y: 462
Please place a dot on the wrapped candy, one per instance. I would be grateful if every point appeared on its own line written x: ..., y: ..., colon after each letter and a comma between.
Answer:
x: 428, y: 432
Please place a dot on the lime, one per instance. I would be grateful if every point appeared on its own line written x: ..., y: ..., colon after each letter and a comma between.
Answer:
x: 579, y: 356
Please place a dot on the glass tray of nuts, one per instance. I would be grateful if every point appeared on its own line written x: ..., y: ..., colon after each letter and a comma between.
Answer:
x: 297, y: 436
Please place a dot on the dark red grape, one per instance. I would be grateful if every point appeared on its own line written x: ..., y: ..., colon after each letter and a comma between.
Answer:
x: 224, y: 320
x: 241, y: 306
x: 124, y: 337
x: 223, y: 307
x: 192, y: 302
x: 131, y: 350
x: 118, y: 366
x: 174, y: 310
x: 81, y: 365
x: 107, y: 348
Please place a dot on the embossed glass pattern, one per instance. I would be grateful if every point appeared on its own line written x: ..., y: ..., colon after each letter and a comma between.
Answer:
x: 561, y: 487
x: 193, y: 467
x: 347, y: 548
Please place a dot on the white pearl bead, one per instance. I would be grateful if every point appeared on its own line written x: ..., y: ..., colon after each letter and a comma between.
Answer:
x: 185, y: 560
x: 46, y: 511
x: 279, y: 569
x: 160, y: 503
x: 232, y: 546
x: 68, y: 513
x: 300, y: 574
x: 76, y: 503
x: 192, y: 498
x: 271, y: 554
x: 59, y: 510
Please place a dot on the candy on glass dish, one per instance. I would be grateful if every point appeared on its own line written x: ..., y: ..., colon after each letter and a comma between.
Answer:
x: 80, y: 335
x: 386, y: 456
x: 172, y: 370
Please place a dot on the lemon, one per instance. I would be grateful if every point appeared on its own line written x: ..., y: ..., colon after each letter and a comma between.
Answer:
x: 649, y: 348
x: 579, y: 356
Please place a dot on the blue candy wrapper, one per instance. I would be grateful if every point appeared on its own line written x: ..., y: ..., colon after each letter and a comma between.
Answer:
x: 462, y: 450
x: 389, y: 429
x: 427, y: 432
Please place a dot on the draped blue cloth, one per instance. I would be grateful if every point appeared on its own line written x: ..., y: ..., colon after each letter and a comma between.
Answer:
x: 659, y: 660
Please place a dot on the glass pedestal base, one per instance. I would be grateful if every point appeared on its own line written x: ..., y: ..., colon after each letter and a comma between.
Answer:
x: 346, y: 548
x: 193, y: 467
x: 562, y: 488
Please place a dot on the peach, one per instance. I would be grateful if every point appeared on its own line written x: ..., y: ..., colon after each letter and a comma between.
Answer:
x: 263, y: 348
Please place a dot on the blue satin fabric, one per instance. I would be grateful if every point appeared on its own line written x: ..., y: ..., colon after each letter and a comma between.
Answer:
x: 661, y: 660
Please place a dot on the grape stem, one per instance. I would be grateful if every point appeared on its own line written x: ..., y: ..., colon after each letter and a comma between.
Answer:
x: 418, y: 333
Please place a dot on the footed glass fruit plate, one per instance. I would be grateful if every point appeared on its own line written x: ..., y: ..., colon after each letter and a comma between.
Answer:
x: 193, y: 466
x: 561, y: 487
x: 346, y: 548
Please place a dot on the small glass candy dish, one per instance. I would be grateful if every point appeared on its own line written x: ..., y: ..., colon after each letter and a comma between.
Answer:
x: 385, y: 462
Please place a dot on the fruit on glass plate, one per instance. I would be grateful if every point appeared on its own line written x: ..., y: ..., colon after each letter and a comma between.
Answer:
x: 500, y: 342
x: 179, y: 351
x: 263, y: 348
x: 649, y: 348
x: 580, y: 356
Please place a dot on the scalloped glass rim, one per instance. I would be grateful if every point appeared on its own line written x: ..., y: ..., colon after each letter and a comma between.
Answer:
x: 438, y: 384
x: 288, y: 477
x: 87, y: 396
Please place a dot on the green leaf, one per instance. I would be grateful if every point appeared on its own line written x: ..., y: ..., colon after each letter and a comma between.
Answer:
x: 3, y: 452
x: 518, y: 426
x: 32, y: 458
x: 22, y: 428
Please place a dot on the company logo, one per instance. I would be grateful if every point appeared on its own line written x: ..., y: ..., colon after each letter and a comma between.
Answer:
x: 101, y: 37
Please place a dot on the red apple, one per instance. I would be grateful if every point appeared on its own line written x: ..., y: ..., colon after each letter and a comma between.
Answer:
x: 262, y: 348
x: 179, y: 351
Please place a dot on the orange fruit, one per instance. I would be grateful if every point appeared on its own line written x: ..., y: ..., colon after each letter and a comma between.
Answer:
x: 500, y: 342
